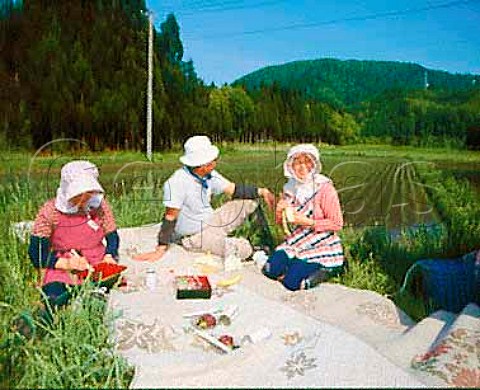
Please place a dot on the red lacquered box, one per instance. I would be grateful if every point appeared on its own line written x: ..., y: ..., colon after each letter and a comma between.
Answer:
x: 193, y: 287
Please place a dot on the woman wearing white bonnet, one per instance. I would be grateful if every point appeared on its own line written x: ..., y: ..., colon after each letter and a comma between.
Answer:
x: 69, y: 230
x: 312, y: 252
x: 73, y: 177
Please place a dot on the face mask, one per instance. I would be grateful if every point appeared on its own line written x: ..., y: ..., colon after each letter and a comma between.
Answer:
x: 72, y: 209
x: 95, y: 201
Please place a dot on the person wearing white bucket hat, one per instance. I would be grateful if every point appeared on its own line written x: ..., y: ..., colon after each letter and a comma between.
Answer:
x: 69, y: 230
x: 199, y: 151
x: 189, y: 216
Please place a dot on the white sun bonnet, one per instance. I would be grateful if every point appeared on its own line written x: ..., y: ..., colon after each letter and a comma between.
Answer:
x: 77, y: 177
x: 302, y: 190
x: 308, y: 149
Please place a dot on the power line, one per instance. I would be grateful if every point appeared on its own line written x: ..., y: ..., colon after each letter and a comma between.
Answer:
x: 336, y: 21
x: 235, y: 8
x: 207, y: 3
x: 203, y: 5
x: 223, y: 6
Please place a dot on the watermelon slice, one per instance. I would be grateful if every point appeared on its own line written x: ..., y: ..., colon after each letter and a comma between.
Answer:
x: 104, y: 272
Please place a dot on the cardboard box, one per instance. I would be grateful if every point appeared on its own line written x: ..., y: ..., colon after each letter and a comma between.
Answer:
x: 193, y: 287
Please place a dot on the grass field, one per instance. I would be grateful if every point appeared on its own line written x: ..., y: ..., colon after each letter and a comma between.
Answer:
x: 400, y: 204
x: 375, y: 188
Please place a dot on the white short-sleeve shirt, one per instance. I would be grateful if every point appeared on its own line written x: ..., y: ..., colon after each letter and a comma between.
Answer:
x: 185, y: 192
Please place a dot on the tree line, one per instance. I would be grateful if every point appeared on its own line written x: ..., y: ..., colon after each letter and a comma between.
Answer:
x: 77, y: 69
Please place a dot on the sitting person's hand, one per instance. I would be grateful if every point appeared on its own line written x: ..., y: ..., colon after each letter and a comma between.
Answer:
x: 73, y: 263
x: 156, y: 255
x: 267, y: 196
x: 300, y: 219
x: 281, y: 204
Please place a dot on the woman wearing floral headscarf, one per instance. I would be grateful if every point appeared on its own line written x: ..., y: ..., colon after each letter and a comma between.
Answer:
x: 312, y: 251
x: 68, y: 231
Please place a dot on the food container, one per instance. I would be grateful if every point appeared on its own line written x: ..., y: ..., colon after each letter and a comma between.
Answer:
x: 193, y: 287
x: 105, y: 274
x: 151, y: 279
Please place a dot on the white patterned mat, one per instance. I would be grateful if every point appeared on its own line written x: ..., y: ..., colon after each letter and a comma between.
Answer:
x: 298, y: 350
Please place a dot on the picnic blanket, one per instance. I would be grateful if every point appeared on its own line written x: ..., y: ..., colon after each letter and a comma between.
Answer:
x: 296, y: 349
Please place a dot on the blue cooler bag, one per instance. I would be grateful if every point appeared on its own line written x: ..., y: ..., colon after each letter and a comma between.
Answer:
x: 448, y: 284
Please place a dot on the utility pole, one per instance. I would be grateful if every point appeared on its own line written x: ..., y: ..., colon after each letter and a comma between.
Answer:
x: 425, y: 80
x: 149, y: 87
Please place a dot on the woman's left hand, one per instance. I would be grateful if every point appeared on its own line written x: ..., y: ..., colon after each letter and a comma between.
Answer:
x: 109, y: 259
x: 302, y: 220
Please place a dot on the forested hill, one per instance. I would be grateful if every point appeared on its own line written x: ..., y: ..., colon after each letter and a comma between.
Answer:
x: 74, y: 74
x: 345, y: 83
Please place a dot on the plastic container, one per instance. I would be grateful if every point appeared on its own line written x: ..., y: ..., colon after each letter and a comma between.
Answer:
x: 193, y: 287
x: 151, y: 279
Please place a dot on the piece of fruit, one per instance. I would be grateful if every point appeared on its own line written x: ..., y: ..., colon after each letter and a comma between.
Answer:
x: 290, y: 214
x: 227, y: 340
x: 103, y: 271
x: 230, y: 281
x: 206, y: 321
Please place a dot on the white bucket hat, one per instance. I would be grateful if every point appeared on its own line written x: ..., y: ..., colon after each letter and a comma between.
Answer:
x: 198, y: 151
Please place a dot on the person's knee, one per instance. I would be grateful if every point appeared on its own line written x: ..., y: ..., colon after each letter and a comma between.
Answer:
x: 237, y: 205
x: 298, y: 275
x: 234, y: 211
x: 56, y: 295
x: 293, y: 279
x: 250, y: 206
x: 276, y: 265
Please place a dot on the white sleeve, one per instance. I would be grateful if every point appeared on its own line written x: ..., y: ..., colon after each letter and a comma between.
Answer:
x: 218, y: 183
x: 173, y: 193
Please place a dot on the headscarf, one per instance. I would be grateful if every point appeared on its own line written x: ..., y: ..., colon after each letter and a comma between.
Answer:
x: 76, y: 177
x: 303, y: 189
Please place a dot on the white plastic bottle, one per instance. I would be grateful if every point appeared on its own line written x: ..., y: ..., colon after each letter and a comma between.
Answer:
x: 151, y: 279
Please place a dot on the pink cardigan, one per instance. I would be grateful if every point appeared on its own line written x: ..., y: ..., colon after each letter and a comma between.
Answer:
x: 328, y: 214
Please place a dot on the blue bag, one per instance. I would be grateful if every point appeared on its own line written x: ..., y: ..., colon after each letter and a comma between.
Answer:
x: 448, y: 284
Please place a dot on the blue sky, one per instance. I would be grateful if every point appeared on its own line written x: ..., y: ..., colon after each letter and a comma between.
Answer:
x: 230, y: 38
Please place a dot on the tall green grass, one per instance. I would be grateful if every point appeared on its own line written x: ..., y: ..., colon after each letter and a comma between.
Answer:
x: 459, y: 206
x: 76, y: 351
